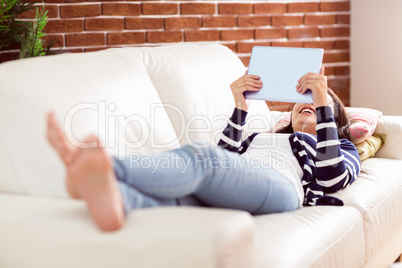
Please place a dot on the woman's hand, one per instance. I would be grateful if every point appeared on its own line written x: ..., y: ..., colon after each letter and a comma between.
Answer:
x: 317, y: 83
x: 247, y: 82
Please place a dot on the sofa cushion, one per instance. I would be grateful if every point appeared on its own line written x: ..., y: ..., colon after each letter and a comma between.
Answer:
x: 197, y: 93
x: 315, y: 237
x: 377, y: 194
x: 105, y: 93
x: 47, y: 233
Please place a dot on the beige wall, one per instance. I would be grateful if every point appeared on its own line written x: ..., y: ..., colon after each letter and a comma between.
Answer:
x: 376, y: 55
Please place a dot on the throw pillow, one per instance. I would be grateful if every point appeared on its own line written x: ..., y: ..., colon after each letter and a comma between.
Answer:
x: 363, y: 122
x: 369, y: 147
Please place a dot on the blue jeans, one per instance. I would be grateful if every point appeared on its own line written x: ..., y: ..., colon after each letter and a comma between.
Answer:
x: 194, y: 176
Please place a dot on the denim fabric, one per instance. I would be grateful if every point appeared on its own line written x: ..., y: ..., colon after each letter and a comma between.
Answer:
x: 197, y: 176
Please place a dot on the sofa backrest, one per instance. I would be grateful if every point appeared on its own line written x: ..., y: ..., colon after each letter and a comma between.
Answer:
x: 193, y: 81
x: 105, y: 93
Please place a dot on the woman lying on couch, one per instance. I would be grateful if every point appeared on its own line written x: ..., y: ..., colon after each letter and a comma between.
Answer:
x: 266, y: 173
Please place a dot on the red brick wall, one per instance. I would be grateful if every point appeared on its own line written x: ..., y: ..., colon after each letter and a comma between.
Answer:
x: 80, y: 26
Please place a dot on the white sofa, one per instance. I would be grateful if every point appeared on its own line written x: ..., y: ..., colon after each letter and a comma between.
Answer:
x: 145, y: 100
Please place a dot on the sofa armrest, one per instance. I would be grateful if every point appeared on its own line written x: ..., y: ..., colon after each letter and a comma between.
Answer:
x: 391, y: 127
x: 59, y: 233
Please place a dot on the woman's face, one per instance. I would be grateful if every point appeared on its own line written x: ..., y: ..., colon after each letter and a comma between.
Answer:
x: 304, y: 118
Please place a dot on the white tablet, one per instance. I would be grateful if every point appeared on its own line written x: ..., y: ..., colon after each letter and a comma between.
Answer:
x: 280, y: 68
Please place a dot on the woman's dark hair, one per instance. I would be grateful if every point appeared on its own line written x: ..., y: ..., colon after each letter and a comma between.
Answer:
x: 340, y: 115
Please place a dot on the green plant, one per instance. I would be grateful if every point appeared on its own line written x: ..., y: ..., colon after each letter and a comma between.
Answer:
x: 10, y: 26
x: 32, y: 44
x: 27, y: 35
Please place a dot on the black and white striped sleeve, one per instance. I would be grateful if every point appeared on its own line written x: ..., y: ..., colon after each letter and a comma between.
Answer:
x: 337, y: 161
x: 231, y: 135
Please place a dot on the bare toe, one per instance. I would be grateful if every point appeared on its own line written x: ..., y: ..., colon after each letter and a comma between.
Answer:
x: 58, y: 140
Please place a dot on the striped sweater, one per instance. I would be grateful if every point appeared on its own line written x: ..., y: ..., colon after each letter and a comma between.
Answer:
x: 328, y: 163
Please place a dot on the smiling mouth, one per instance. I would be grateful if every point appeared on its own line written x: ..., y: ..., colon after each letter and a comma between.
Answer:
x: 307, y: 110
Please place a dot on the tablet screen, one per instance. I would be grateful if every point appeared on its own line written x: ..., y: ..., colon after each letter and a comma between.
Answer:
x: 280, y: 68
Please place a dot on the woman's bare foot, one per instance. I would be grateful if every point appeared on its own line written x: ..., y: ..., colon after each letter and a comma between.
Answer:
x: 90, y: 177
